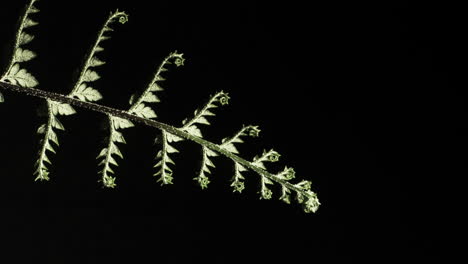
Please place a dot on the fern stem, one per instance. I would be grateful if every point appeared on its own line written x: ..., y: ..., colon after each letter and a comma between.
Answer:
x: 161, y: 126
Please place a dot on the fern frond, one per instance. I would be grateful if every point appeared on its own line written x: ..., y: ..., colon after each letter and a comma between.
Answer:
x: 304, y: 195
x: 82, y: 92
x: 165, y: 172
x: 238, y: 179
x: 19, y: 80
x: 14, y: 73
x: 267, y: 156
x: 271, y: 156
x: 202, y: 178
x: 42, y: 171
x: 228, y: 143
x: 265, y: 192
x: 140, y: 109
x: 53, y: 110
x: 87, y: 75
x: 115, y: 137
x: 190, y: 126
x: 138, y: 106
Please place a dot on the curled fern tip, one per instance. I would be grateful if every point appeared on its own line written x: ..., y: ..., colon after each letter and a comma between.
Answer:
x: 238, y: 186
x: 224, y: 98
x: 123, y: 17
x: 254, y: 131
x: 109, y: 181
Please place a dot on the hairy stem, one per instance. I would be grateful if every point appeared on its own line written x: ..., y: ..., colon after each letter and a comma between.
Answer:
x: 161, y: 126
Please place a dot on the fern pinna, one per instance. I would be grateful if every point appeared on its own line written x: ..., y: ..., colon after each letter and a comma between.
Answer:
x: 141, y: 110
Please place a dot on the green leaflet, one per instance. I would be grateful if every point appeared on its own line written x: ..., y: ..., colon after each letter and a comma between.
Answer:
x: 29, y: 22
x: 25, y: 38
x: 55, y: 123
x: 90, y: 76
x: 61, y: 109
x: 121, y: 123
x: 150, y: 98
x: 20, y: 77
x: 144, y: 111
x: 85, y: 93
x: 95, y: 62
x: 22, y: 55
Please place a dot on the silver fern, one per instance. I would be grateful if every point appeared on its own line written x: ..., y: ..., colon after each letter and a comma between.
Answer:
x: 142, y: 111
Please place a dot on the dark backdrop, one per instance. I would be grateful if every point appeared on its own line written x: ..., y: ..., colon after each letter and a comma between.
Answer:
x: 361, y: 99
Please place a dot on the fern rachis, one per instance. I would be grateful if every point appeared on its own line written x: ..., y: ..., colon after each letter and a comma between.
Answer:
x: 142, y: 111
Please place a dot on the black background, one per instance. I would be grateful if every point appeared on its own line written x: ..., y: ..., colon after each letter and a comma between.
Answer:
x: 362, y: 99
